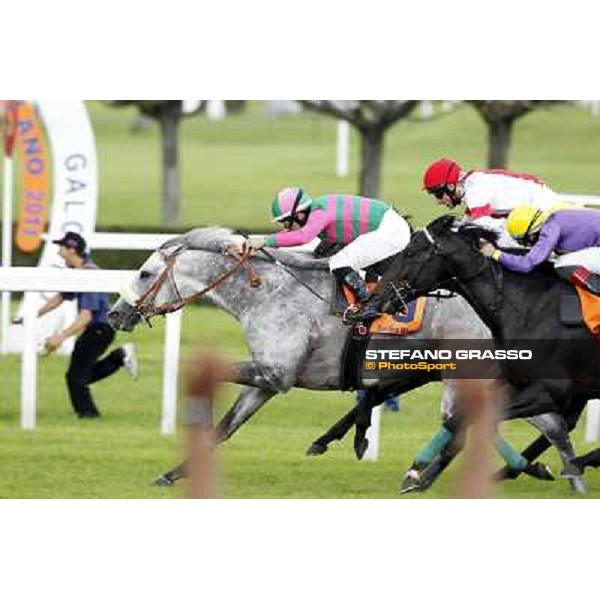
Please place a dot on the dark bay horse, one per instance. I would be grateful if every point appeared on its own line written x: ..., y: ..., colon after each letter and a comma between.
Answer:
x: 514, y: 306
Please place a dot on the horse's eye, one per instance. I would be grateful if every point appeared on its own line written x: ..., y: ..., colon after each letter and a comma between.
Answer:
x: 145, y: 274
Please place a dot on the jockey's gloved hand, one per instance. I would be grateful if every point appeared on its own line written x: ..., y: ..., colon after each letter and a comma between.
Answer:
x: 256, y: 242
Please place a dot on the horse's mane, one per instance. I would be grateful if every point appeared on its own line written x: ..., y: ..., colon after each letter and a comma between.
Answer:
x: 473, y: 233
x: 212, y: 239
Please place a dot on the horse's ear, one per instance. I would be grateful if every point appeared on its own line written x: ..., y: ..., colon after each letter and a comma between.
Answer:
x: 442, y: 224
x: 195, y: 238
x: 180, y: 240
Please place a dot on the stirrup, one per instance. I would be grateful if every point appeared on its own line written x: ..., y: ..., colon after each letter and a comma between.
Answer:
x: 351, y: 315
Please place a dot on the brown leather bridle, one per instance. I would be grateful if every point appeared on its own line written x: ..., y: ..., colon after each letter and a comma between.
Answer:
x: 147, y: 310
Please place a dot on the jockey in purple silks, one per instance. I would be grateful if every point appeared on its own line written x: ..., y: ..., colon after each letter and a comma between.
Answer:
x: 572, y: 234
x: 370, y: 229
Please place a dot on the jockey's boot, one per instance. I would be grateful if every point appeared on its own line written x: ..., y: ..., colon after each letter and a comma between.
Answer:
x: 582, y: 277
x: 354, y: 281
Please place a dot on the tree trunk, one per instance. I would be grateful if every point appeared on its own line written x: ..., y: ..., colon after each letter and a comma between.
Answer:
x: 371, y: 154
x: 499, y: 140
x: 171, y: 189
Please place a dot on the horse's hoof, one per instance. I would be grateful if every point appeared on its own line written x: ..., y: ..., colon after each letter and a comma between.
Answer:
x: 360, y: 447
x: 317, y: 449
x: 411, y: 482
x: 506, y: 473
x: 571, y: 471
x: 539, y: 470
x: 163, y: 480
x: 578, y: 485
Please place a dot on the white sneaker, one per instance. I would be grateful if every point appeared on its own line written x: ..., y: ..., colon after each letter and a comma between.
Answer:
x: 130, y: 362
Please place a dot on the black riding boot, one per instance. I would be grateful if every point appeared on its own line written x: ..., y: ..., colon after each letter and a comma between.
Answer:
x: 581, y: 276
x: 354, y: 281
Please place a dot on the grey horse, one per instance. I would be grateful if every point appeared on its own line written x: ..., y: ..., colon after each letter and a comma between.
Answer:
x: 293, y: 339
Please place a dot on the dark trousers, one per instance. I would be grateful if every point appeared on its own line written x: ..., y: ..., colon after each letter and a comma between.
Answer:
x: 86, y: 368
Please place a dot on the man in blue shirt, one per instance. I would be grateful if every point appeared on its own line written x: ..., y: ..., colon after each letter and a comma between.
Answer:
x: 95, y: 334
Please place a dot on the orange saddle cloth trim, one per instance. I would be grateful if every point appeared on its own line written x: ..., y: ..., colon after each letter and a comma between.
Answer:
x: 399, y: 324
x: 590, y: 309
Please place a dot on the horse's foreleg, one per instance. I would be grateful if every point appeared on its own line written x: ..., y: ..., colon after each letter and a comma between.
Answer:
x: 364, y: 409
x: 554, y: 427
x: 247, y: 403
x: 591, y: 459
x: 571, y: 416
x: 337, y: 432
x: 262, y: 375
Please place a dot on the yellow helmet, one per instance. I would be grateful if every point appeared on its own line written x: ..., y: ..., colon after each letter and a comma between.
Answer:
x: 524, y: 221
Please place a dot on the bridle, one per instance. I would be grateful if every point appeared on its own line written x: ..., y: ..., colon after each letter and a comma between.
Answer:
x: 406, y: 292
x: 144, y: 305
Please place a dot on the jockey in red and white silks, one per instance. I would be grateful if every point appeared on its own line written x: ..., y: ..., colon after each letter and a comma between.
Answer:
x: 488, y: 196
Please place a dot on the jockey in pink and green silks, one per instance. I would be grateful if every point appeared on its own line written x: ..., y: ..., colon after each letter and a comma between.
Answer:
x: 370, y: 229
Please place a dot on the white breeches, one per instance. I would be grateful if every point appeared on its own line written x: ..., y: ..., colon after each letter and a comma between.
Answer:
x: 391, y: 237
x: 588, y: 258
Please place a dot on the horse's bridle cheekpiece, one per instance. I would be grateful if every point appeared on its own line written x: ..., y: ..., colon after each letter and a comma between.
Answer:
x: 143, y: 306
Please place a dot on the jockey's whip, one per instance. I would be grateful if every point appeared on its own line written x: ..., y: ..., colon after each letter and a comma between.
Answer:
x: 284, y: 267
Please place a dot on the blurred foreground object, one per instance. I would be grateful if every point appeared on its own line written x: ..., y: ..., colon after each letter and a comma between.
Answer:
x: 204, y: 374
x: 480, y: 403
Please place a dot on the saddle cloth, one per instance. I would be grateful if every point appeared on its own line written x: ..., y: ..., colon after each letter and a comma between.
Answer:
x: 590, y: 310
x: 579, y: 306
x: 402, y: 323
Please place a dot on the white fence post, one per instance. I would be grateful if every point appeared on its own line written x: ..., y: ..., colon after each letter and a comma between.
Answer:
x: 372, y: 452
x: 343, y: 149
x: 592, y: 423
x: 28, y: 280
x: 29, y: 363
x: 170, y: 370
x: 215, y: 110
x: 426, y: 109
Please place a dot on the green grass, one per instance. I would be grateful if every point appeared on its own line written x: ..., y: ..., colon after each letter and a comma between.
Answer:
x: 118, y: 455
x: 230, y: 171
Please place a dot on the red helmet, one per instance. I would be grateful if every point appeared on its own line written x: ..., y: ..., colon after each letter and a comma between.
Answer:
x: 441, y: 173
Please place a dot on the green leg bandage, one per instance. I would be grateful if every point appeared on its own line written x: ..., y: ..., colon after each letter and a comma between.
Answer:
x: 437, y: 443
x: 512, y: 458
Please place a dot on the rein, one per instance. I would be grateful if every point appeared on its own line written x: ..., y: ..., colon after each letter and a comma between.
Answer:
x: 144, y: 304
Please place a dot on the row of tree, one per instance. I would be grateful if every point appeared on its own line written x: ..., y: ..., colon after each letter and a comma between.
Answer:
x: 371, y: 119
